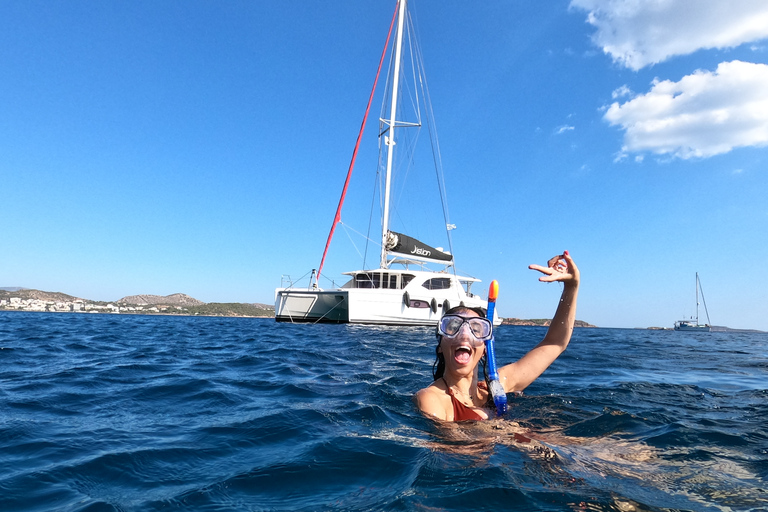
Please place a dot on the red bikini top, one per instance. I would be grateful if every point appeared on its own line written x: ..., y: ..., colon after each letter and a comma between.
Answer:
x: 460, y: 411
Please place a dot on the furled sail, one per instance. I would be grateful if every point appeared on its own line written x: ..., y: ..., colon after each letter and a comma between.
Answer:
x: 412, y: 248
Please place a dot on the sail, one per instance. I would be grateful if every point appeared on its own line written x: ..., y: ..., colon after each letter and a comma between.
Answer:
x: 412, y: 248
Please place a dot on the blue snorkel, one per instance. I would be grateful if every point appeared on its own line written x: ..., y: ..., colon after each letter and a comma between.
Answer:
x: 495, y: 387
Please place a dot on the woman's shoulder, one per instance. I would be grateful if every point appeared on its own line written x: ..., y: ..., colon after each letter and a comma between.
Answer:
x: 431, y: 400
x: 433, y: 390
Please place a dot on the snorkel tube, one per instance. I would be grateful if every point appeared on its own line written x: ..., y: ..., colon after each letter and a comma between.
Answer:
x: 495, y: 387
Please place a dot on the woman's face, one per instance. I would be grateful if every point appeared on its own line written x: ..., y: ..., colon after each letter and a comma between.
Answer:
x: 462, y: 352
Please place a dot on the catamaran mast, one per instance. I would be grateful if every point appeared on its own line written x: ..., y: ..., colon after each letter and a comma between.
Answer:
x: 390, y: 137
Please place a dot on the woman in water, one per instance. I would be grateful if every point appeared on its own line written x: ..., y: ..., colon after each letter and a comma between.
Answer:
x: 456, y: 394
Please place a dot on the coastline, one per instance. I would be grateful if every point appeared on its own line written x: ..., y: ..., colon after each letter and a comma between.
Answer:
x: 177, y: 304
x: 541, y: 322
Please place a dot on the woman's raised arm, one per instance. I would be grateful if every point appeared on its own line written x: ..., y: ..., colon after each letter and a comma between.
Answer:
x: 520, y: 374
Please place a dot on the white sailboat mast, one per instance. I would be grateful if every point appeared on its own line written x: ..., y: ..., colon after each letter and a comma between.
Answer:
x: 697, y: 298
x: 390, y: 137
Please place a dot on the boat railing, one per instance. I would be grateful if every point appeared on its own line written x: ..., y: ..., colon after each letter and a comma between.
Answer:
x: 287, y: 283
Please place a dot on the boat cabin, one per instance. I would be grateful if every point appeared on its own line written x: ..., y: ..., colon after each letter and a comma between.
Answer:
x: 400, y: 280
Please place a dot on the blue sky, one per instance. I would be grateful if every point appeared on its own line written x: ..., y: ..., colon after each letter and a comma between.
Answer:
x: 156, y: 147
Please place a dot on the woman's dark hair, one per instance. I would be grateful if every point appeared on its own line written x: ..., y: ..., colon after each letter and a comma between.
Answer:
x: 438, y: 368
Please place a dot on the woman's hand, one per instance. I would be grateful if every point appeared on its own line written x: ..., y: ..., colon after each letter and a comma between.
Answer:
x: 559, y: 268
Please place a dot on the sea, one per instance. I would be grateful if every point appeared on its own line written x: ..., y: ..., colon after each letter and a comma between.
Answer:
x: 102, y: 412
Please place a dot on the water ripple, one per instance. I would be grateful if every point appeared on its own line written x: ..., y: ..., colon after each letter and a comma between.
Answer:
x: 135, y: 413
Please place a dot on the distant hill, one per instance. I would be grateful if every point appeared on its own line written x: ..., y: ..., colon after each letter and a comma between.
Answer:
x: 231, y: 309
x: 24, y: 293
x: 176, y: 299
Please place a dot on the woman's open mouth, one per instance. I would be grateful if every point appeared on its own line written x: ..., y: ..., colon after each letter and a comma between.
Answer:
x: 462, y: 354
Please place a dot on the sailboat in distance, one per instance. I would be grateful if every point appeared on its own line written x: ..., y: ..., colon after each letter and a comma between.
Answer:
x: 693, y: 324
x: 403, y: 289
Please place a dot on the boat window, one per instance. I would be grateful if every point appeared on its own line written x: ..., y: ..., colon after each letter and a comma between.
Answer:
x: 437, y: 283
x: 405, y: 279
x: 366, y: 281
x: 376, y: 280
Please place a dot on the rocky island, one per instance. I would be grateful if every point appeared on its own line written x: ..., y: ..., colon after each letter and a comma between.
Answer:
x: 541, y: 322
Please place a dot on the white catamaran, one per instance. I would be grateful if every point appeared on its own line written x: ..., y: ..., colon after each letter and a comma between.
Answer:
x: 402, y: 290
x: 693, y: 324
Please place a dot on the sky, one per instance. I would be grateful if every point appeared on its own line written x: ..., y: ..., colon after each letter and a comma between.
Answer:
x: 200, y: 147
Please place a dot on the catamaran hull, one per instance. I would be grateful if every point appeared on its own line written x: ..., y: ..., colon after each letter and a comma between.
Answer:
x: 692, y: 327
x: 365, y: 306
x: 312, y: 306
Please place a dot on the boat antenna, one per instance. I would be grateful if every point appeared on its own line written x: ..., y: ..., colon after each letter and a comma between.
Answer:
x: 337, y: 217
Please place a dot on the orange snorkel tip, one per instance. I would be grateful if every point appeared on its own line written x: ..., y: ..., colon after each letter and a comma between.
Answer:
x: 493, y: 291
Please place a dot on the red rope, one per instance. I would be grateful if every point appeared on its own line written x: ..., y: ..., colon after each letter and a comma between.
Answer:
x: 337, y: 218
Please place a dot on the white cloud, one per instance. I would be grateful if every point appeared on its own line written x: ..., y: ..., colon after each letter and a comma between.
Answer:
x: 704, y: 114
x: 565, y: 128
x: 638, y: 33
x: 621, y: 92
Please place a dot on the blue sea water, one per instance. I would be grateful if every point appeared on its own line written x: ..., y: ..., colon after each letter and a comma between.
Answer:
x: 135, y: 413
